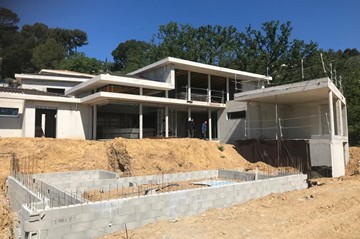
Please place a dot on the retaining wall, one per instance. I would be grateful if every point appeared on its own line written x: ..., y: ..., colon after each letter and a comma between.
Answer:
x: 95, y: 219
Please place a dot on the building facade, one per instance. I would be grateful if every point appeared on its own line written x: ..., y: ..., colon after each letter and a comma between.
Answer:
x: 159, y: 100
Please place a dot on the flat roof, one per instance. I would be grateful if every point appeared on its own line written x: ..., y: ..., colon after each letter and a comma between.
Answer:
x: 65, y: 73
x: 20, y: 77
x: 107, y: 97
x: 299, y: 92
x: 106, y: 79
x: 201, y: 68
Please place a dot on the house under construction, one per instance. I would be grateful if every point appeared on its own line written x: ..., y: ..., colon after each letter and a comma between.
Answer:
x: 302, y: 123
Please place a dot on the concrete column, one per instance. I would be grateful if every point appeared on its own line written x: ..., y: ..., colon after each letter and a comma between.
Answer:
x: 140, y: 116
x: 320, y: 120
x: 166, y: 116
x: 248, y: 117
x: 209, y: 88
x: 94, y: 121
x: 210, y: 125
x: 331, y: 113
x: 166, y: 121
x: 189, y: 113
x: 189, y: 86
x: 276, y: 119
x: 140, y: 121
x: 339, y: 119
x: 227, y: 89
x: 345, y: 122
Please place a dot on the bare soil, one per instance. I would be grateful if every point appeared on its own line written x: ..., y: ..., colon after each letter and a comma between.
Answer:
x: 328, y: 211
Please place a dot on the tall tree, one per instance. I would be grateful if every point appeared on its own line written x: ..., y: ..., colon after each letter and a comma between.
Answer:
x: 48, y: 54
x: 131, y: 55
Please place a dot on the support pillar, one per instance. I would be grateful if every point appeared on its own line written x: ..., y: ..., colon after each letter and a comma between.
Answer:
x: 189, y: 113
x: 210, y: 125
x: 189, y: 86
x: 140, y: 121
x: 166, y: 116
x: 276, y: 119
x: 331, y: 113
x: 209, y: 88
x: 94, y: 122
x: 166, y: 121
x: 227, y: 89
x: 141, y: 116
x: 339, y: 119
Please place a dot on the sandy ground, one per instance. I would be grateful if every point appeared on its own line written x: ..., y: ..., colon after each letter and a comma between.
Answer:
x: 124, y: 156
x: 328, y: 211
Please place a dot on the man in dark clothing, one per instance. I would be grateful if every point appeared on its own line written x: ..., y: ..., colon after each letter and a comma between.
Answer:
x: 204, y: 129
x: 191, y: 128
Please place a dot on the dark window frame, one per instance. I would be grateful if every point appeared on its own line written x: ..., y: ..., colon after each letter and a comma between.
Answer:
x: 236, y: 115
x: 9, y: 112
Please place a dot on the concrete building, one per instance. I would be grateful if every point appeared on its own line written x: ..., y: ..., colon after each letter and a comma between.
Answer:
x: 159, y: 99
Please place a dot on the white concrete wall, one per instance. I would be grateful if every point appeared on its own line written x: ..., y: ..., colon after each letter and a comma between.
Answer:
x: 231, y: 130
x: 11, y: 126
x: 162, y: 74
x: 338, y: 158
x: 72, y: 121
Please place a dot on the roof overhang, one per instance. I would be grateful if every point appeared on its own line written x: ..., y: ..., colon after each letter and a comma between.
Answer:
x: 100, y: 98
x: 20, y: 77
x: 201, y: 68
x: 106, y: 79
x: 300, y: 92
x: 58, y: 99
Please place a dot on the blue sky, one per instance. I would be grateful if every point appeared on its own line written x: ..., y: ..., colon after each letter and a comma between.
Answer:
x: 331, y: 23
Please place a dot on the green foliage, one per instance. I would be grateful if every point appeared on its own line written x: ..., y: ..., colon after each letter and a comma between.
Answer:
x: 81, y: 63
x: 48, y: 54
x: 131, y: 55
x: 34, y: 46
x: 221, y: 148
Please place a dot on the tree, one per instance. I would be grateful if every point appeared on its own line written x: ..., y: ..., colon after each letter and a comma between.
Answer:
x: 270, y: 51
x: 48, y: 54
x: 8, y: 26
x: 81, y: 63
x: 131, y: 55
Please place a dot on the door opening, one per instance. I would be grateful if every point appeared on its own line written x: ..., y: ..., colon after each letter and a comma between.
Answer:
x: 45, y: 123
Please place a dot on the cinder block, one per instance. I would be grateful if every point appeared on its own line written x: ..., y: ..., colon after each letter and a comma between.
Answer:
x: 37, y: 225
x: 127, y: 210
x: 80, y: 226
x: 116, y: 228
x: 96, y: 233
x: 84, y: 217
x: 159, y: 205
x: 133, y: 225
x: 120, y: 219
x: 100, y: 223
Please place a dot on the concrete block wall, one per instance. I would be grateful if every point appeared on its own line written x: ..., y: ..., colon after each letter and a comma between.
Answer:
x: 100, y: 218
x: 18, y: 194
x: 245, y: 176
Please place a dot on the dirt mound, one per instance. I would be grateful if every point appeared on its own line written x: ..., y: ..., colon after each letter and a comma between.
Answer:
x: 353, y: 167
x: 129, y: 157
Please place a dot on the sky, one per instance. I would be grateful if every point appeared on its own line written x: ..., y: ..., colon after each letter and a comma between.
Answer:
x: 332, y: 24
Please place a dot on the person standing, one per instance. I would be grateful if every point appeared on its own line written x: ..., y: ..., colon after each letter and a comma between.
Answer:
x: 191, y: 128
x: 204, y: 130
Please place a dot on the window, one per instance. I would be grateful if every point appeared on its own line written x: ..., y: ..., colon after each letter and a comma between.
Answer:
x: 236, y: 115
x: 56, y: 90
x: 9, y: 112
